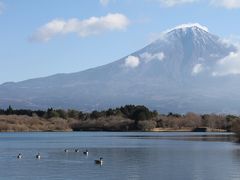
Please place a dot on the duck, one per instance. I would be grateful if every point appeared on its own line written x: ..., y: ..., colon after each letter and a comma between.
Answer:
x: 99, y: 161
x: 38, y: 156
x: 19, y: 156
x: 85, y: 152
x: 65, y: 150
x: 76, y: 150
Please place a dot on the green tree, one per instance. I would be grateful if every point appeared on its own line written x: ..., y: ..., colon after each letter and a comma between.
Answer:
x: 51, y: 113
x: 96, y: 115
x: 73, y: 114
x: 141, y: 113
x: 62, y: 113
x: 9, y: 110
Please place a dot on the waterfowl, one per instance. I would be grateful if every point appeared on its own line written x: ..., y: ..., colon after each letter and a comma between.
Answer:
x: 65, y: 150
x: 38, y: 156
x: 99, y: 161
x: 19, y: 156
x: 85, y: 152
x: 76, y: 150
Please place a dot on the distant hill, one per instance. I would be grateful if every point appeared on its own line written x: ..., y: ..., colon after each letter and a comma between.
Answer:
x: 179, y: 72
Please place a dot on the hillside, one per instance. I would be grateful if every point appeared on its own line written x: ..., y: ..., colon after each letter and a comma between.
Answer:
x: 179, y: 72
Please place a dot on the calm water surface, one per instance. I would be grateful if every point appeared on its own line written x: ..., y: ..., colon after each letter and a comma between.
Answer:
x: 134, y: 155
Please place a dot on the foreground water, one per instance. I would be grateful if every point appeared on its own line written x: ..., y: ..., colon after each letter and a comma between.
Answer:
x: 135, y: 155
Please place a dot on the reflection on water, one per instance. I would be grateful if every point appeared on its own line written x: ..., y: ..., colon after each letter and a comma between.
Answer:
x: 134, y: 155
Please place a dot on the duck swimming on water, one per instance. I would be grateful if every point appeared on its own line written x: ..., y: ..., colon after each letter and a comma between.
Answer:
x: 99, y: 161
x: 76, y: 150
x: 85, y: 152
x: 65, y: 150
x: 38, y: 156
x: 19, y: 156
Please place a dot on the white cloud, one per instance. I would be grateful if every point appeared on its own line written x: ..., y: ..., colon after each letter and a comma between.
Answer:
x: 229, y: 65
x: 2, y: 7
x: 87, y: 27
x: 197, y: 68
x: 104, y: 2
x: 156, y: 36
x: 149, y: 57
x: 170, y: 3
x: 214, y: 55
x: 229, y: 4
x: 230, y: 41
x: 132, y: 62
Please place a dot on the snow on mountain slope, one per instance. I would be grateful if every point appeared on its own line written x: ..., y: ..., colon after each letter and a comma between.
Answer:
x: 174, y: 73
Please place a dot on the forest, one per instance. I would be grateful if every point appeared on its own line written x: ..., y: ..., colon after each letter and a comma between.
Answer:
x: 125, y: 118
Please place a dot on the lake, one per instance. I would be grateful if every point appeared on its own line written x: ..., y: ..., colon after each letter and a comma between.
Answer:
x: 126, y: 155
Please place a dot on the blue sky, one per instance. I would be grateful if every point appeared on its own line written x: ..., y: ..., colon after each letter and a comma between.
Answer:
x: 41, y: 38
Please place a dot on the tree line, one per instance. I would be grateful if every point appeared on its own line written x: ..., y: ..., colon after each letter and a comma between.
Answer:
x: 127, y: 118
x: 128, y: 111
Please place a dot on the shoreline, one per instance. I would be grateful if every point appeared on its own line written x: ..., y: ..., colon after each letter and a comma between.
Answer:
x: 157, y: 130
x: 186, y: 130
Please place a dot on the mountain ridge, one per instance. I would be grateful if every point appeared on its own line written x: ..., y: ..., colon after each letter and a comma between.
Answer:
x: 167, y: 75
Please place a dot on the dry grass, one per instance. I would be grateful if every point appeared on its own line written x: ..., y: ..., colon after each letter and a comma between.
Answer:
x: 21, y: 123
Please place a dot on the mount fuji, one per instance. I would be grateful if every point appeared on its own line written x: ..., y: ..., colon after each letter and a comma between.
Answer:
x: 186, y: 69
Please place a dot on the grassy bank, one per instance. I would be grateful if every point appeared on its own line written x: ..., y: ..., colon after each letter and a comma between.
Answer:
x: 127, y: 118
x: 23, y: 123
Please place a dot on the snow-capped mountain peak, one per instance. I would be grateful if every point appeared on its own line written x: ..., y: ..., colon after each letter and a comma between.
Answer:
x: 174, y: 73
x: 192, y: 26
x: 184, y: 47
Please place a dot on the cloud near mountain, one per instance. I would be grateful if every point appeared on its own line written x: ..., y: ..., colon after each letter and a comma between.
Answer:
x: 229, y: 65
x: 146, y: 57
x: 132, y: 61
x: 182, y: 71
x: 197, y: 69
